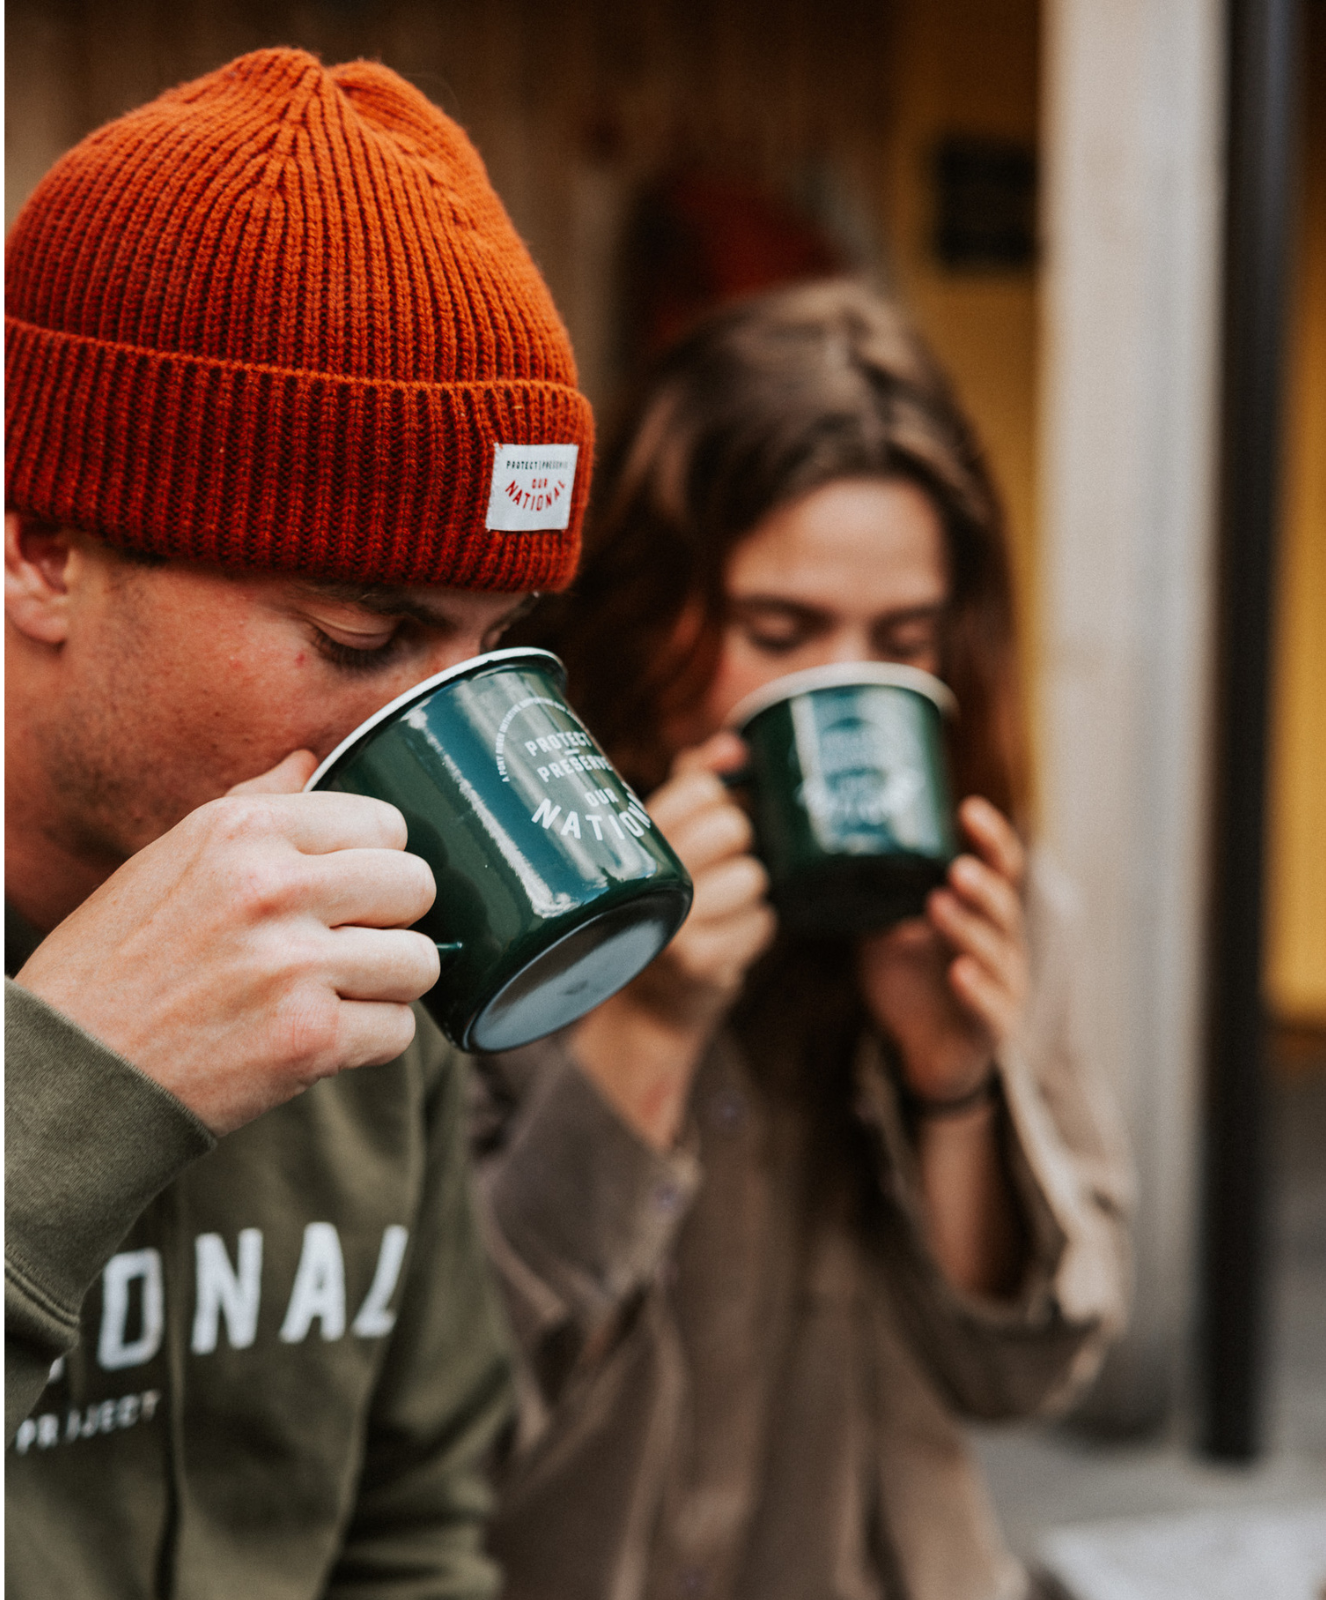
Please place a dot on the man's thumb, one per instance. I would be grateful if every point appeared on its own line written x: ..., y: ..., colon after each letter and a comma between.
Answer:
x: 288, y: 777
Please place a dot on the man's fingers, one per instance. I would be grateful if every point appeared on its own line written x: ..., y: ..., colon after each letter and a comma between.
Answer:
x: 328, y: 820
x: 315, y: 824
x: 371, y: 888
x: 993, y: 837
x: 373, y: 1031
x: 382, y: 964
x: 286, y: 777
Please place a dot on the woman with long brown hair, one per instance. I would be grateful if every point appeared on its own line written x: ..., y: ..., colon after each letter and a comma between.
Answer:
x: 777, y: 1214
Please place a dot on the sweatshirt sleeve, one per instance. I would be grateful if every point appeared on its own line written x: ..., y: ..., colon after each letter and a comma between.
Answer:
x: 579, y: 1212
x: 1033, y: 1352
x: 89, y: 1142
x: 444, y: 1395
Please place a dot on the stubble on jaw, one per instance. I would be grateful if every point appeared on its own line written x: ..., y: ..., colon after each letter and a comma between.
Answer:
x: 105, y: 810
x: 109, y: 790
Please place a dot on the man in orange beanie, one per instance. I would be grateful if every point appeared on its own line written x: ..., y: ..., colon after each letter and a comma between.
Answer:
x: 266, y: 339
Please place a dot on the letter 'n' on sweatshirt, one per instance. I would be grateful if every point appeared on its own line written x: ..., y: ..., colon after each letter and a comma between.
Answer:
x: 223, y: 1290
x: 115, y: 1349
x: 319, y: 1290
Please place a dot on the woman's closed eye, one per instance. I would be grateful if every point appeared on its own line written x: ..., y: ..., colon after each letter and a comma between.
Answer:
x: 910, y: 637
x: 775, y: 642
x: 778, y: 629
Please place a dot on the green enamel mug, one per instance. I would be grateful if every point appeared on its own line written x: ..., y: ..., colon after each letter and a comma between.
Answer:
x: 850, y: 793
x: 554, y: 887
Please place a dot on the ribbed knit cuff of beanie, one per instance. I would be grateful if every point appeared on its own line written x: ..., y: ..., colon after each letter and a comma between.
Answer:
x: 278, y: 318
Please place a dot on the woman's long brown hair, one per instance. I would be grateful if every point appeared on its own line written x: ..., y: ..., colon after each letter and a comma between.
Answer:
x: 762, y: 403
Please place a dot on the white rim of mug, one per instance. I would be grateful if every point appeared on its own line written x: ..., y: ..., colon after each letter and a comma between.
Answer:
x: 842, y: 675
x: 420, y: 690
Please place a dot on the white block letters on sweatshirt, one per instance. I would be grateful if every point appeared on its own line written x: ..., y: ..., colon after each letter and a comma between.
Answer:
x: 319, y: 1289
x: 374, y: 1319
x: 113, y: 1349
x: 133, y: 1300
x: 222, y: 1290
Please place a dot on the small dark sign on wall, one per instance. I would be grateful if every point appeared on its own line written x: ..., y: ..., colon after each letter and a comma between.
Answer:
x: 985, y: 203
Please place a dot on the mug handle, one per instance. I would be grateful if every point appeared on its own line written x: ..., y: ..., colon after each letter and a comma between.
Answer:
x: 448, y: 951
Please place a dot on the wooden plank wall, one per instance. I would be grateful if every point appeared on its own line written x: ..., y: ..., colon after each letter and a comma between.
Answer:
x: 572, y: 104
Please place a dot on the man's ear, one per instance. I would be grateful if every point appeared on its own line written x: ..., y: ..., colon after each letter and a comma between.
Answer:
x: 36, y: 572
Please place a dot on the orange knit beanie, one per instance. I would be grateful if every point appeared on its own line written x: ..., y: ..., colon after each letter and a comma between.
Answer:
x: 278, y: 318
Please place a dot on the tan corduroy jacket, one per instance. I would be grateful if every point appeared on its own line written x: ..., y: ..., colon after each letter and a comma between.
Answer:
x: 743, y: 1368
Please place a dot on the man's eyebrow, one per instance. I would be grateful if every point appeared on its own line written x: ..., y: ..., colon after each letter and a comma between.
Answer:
x: 381, y: 601
x: 387, y: 602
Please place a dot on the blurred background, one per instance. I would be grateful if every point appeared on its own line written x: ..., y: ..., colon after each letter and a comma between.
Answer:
x: 1089, y: 212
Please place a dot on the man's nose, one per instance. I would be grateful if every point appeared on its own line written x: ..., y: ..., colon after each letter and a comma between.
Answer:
x: 450, y: 652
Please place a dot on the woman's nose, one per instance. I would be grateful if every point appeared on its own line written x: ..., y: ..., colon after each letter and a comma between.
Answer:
x: 850, y: 642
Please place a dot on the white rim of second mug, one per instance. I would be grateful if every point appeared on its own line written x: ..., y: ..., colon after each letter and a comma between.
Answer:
x: 842, y: 675
x: 418, y: 691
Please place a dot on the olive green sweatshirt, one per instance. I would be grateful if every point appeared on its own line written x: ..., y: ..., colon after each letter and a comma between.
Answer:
x: 268, y: 1366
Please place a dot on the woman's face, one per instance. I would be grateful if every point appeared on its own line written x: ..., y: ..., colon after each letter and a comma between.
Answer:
x: 853, y: 571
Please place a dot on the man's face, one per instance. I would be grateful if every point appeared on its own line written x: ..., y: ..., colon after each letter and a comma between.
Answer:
x: 169, y: 684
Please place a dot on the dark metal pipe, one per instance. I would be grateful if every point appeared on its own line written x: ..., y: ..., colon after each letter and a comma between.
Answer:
x: 1262, y: 36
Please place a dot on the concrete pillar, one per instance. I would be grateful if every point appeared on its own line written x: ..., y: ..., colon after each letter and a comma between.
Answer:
x: 1132, y: 201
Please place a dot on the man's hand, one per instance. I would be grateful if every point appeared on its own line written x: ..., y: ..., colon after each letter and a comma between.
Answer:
x: 259, y: 945
x: 949, y: 987
x: 642, y: 1046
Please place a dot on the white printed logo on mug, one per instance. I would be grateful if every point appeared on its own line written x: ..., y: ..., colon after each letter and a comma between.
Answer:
x: 532, y: 486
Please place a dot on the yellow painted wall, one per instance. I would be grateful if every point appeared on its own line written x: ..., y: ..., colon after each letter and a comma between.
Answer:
x: 1296, y: 954
x: 972, y: 66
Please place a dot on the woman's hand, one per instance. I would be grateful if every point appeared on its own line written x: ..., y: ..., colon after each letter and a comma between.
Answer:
x: 949, y: 987
x: 694, y: 981
x: 641, y: 1047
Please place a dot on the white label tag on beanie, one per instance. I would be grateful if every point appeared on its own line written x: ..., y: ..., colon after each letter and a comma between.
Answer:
x: 532, y: 486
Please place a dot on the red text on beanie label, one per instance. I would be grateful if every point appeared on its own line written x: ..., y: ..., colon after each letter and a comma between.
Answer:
x: 532, y: 486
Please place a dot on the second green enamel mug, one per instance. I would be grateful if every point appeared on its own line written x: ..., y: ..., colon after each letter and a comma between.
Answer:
x: 554, y: 887
x: 849, y: 793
